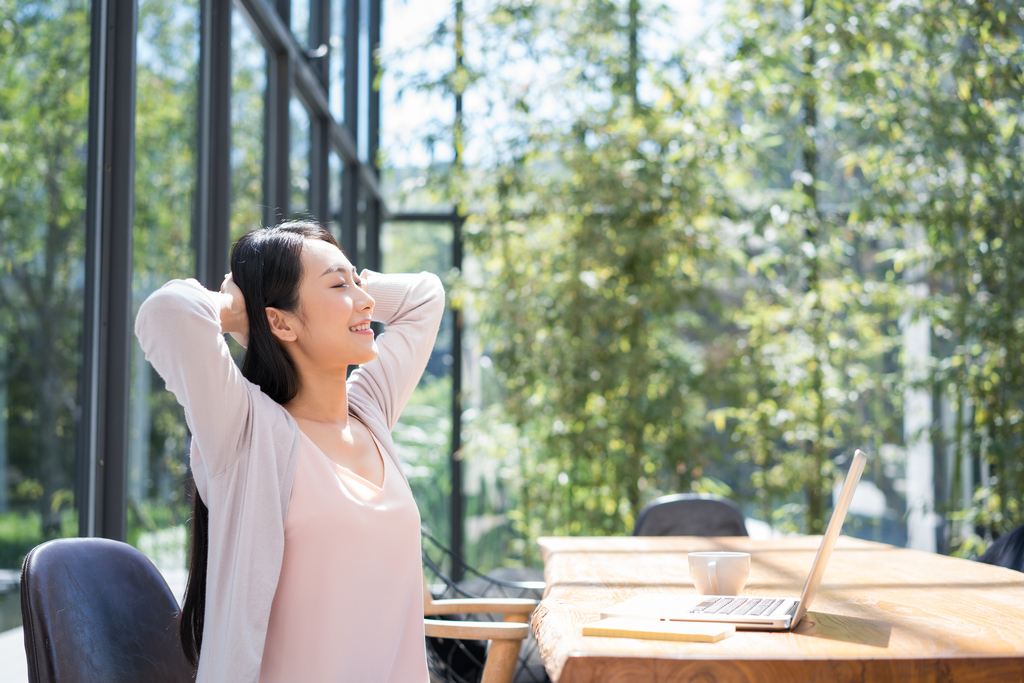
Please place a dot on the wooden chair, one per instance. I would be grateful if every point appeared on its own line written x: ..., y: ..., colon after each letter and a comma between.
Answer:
x: 506, y: 636
x: 458, y: 650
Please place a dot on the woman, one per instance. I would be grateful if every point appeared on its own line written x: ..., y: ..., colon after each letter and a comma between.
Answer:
x: 305, y: 562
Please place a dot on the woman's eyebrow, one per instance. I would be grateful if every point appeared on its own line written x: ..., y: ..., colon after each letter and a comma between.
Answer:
x: 340, y: 269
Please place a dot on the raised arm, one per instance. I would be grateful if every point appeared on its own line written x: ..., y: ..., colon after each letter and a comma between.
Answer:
x: 411, y: 306
x: 180, y: 327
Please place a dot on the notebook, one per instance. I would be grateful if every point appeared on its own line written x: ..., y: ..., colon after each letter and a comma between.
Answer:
x: 650, y: 629
x: 748, y: 612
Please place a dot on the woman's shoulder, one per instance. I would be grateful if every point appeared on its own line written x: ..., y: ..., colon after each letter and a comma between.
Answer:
x: 269, y: 433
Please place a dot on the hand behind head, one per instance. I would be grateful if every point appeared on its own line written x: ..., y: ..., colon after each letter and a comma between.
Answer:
x: 238, y: 326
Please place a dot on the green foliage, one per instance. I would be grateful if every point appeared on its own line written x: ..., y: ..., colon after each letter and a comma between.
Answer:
x: 697, y: 269
x: 20, y: 532
x: 44, y: 101
x: 423, y: 441
x: 165, y: 134
x: 44, y: 98
x: 598, y: 268
x: 165, y: 167
x: 941, y: 94
x: 248, y: 86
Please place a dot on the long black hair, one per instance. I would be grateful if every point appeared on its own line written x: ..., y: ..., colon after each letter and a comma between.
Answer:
x: 266, y: 264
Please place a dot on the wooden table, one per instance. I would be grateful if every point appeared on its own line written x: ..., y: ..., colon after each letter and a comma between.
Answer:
x: 882, y: 614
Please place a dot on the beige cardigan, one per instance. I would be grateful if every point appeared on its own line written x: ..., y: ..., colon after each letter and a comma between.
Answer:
x: 244, y: 445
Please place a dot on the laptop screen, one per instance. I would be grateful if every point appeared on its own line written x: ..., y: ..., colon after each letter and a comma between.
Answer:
x: 835, y: 525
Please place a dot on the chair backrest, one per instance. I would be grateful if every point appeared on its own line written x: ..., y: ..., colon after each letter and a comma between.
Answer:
x: 98, y: 610
x: 1007, y: 551
x: 690, y: 514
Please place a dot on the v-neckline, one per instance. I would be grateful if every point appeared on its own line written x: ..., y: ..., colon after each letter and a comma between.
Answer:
x: 380, y: 454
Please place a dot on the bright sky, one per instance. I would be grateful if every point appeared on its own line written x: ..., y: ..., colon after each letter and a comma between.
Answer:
x: 407, y: 119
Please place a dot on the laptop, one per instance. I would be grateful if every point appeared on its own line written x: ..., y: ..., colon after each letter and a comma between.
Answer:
x: 752, y: 613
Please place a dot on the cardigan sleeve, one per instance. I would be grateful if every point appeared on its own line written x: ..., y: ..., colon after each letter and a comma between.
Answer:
x: 179, y: 330
x: 411, y: 307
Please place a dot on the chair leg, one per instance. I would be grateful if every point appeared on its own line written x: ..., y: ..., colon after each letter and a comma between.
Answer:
x: 502, y: 657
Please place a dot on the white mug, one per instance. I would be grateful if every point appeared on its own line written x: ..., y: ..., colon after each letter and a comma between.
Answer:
x: 719, y: 573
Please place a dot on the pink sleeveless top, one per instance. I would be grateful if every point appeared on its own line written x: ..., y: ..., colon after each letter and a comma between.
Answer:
x: 349, y: 602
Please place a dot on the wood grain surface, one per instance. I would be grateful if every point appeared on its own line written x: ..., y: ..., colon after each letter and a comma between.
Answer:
x: 881, y: 614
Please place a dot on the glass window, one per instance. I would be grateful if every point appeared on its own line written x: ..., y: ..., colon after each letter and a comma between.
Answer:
x: 423, y: 433
x: 416, y: 125
x: 490, y: 452
x: 298, y: 158
x: 165, y: 133
x: 363, y: 143
x: 300, y: 22
x: 248, y: 87
x: 334, y: 194
x: 336, y: 91
x: 44, y: 107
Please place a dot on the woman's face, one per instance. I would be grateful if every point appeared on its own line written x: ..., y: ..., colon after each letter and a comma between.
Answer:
x: 332, y: 323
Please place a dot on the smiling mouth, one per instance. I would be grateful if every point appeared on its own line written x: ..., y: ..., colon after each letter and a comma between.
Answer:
x: 361, y: 327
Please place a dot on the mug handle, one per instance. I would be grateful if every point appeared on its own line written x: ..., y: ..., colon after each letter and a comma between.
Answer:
x: 713, y: 577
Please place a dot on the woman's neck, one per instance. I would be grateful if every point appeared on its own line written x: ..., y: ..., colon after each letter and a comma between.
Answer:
x: 322, y: 397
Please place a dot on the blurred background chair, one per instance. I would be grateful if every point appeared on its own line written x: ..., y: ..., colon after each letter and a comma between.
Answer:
x: 471, y: 612
x: 690, y: 514
x: 98, y: 610
x: 1007, y: 551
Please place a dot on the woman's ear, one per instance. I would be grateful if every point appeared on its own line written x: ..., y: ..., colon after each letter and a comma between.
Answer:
x: 283, y: 325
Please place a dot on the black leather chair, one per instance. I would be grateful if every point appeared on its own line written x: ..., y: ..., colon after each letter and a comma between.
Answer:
x: 1007, y: 551
x: 98, y: 610
x: 690, y: 514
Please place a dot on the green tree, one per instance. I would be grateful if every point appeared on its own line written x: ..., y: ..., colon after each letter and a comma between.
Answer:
x: 817, y: 324
x: 44, y: 102
x: 165, y: 172
x: 598, y: 266
x: 700, y: 264
x: 938, y: 91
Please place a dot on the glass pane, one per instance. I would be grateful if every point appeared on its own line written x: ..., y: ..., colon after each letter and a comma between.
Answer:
x: 416, y: 126
x: 300, y: 22
x: 298, y: 155
x: 334, y: 194
x: 363, y: 143
x: 336, y: 91
x: 490, y: 454
x: 165, y: 134
x: 44, y: 103
x: 423, y: 433
x: 248, y: 86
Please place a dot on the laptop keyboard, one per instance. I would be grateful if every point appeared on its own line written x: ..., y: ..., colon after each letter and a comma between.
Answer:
x: 737, y: 606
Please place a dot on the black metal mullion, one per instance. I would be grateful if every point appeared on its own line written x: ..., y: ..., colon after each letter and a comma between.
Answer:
x: 213, y: 189
x: 424, y: 217
x: 373, y: 202
x: 456, y: 503
x: 102, y: 454
x: 351, y: 174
